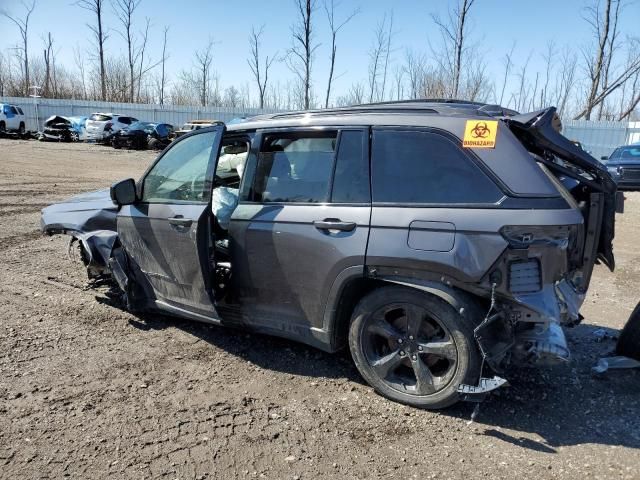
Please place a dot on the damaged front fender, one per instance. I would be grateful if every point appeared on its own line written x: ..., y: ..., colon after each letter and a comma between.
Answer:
x: 91, y: 219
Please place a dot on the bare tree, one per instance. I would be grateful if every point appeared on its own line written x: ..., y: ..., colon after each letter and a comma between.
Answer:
x: 100, y: 37
x: 48, y: 53
x: 124, y: 11
x: 453, y: 31
x: 565, y: 80
x: 398, y: 78
x: 79, y: 61
x: 508, y: 63
x: 611, y: 47
x: 260, y: 74
x: 301, y: 53
x: 377, y: 53
x: 549, y: 60
x: 204, y: 59
x: 415, y: 68
x: 387, y: 54
x: 354, y: 96
x: 141, y: 54
x: 23, y: 25
x: 335, y: 26
x: 628, y: 104
x: 520, y: 99
x: 163, y: 78
x: 4, y: 68
x: 599, y: 59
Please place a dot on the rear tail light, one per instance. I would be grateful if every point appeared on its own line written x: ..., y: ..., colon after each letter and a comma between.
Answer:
x: 107, y: 126
x: 523, y: 236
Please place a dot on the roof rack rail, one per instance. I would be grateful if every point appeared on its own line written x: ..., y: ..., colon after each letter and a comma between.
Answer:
x: 414, y: 106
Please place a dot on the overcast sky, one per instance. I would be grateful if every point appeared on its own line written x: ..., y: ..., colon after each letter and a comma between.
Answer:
x: 495, y: 25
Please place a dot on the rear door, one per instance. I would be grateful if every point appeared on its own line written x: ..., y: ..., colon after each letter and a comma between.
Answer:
x: 298, y: 225
x: 167, y: 233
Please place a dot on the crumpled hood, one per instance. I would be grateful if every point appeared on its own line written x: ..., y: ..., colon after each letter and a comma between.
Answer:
x: 83, y: 213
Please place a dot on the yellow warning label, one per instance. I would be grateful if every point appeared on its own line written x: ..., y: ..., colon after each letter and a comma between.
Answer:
x: 480, y: 134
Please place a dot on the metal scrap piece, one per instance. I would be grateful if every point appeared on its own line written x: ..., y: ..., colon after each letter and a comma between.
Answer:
x: 618, y: 362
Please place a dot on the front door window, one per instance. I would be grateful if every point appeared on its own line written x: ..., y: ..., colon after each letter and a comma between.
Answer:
x: 182, y: 175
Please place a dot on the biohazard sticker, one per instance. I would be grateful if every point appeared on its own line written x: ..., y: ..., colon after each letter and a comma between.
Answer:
x: 480, y: 134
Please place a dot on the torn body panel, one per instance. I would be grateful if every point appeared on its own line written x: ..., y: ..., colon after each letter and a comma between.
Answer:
x: 91, y: 219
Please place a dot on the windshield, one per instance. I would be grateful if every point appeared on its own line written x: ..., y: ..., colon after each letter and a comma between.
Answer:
x: 626, y: 154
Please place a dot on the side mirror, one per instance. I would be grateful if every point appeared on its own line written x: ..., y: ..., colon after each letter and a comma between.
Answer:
x: 123, y: 192
x: 604, y: 157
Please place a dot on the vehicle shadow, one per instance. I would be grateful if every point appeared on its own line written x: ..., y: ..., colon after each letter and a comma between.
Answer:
x: 273, y: 353
x: 562, y: 406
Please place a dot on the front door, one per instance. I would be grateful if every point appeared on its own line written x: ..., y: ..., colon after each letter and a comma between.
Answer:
x: 167, y: 232
x: 302, y: 219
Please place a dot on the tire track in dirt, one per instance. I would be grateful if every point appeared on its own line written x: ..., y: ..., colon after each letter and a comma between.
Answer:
x: 13, y: 241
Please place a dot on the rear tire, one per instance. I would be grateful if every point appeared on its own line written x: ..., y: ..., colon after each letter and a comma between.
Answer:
x: 629, y: 340
x: 3, y: 128
x: 413, y: 347
x: 21, y: 129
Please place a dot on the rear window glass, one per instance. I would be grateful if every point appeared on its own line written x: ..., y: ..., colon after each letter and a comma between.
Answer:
x: 98, y: 117
x: 351, y: 177
x: 426, y: 168
x: 294, y: 167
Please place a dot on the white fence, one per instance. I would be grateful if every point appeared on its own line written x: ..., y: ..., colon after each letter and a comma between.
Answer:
x: 599, y: 138
x: 38, y: 110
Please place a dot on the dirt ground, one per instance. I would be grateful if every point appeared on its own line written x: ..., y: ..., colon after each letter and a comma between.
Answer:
x: 90, y: 391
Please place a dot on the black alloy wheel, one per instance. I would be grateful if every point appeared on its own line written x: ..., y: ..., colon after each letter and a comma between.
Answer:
x: 413, y: 347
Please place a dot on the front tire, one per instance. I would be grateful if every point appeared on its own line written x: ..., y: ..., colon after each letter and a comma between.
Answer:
x: 413, y: 347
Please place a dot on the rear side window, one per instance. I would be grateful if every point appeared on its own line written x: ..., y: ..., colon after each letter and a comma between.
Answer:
x: 20, y: 111
x: 294, y: 167
x: 351, y: 177
x: 125, y: 120
x: 97, y: 117
x: 426, y: 168
x: 15, y: 110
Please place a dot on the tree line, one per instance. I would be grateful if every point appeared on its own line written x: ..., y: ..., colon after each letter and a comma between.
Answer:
x: 598, y: 80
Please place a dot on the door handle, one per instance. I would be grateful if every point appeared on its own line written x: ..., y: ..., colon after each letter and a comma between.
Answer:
x: 334, y: 224
x: 180, y: 221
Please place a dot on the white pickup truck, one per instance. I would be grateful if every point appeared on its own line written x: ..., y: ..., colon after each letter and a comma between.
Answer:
x: 12, y: 119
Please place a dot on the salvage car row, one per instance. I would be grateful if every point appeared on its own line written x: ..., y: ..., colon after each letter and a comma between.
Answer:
x: 119, y: 131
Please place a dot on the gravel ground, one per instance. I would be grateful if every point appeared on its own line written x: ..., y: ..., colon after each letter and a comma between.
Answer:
x: 90, y: 391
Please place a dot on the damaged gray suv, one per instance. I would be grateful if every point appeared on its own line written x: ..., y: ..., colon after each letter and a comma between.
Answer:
x: 441, y: 241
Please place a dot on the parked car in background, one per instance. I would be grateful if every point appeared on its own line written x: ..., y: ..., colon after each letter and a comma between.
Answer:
x: 192, y: 125
x: 423, y: 236
x: 102, y: 126
x: 12, y: 119
x: 142, y: 135
x: 64, y: 129
x: 624, y: 166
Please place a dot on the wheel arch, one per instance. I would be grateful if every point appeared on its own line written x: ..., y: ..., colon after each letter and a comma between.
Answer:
x: 353, y: 285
